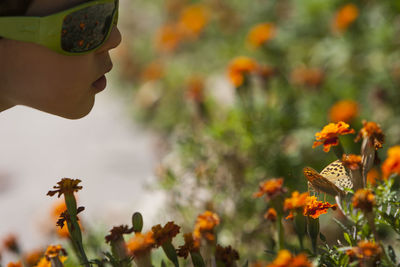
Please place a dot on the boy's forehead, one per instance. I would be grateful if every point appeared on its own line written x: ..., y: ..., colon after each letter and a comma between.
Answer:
x: 46, y: 7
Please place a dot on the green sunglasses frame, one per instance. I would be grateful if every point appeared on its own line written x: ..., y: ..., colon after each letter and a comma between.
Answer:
x: 46, y: 31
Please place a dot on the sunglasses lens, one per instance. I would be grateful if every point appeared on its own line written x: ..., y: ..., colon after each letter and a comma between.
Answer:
x: 87, y: 28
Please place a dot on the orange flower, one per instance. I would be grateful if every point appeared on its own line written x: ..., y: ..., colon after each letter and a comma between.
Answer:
x: 140, y: 243
x: 33, y: 257
x: 296, y: 202
x: 344, y: 110
x: 195, y: 89
x: 261, y: 33
x: 372, y: 131
x: 365, y: 250
x: 66, y: 186
x: 351, y: 161
x: 153, y: 71
x: 271, y: 215
x: 303, y: 76
x: 190, y: 245
x: 226, y: 255
x: 14, y: 264
x: 239, y: 67
x: 372, y: 176
x: 53, y: 251
x: 392, y: 163
x: 164, y: 234
x: 270, y: 188
x: 286, y: 259
x: 193, y: 19
x: 205, y: 224
x: 315, y: 208
x: 345, y: 17
x: 329, y: 136
x: 364, y: 199
x: 57, y: 253
x: 58, y: 208
x: 168, y: 38
x: 117, y: 232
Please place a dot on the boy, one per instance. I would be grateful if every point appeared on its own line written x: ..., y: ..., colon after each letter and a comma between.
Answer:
x: 60, y: 73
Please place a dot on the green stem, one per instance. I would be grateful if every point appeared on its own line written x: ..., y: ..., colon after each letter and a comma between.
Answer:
x: 281, y: 233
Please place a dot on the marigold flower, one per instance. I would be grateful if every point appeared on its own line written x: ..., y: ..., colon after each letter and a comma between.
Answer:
x: 191, y: 245
x: 11, y: 243
x: 344, y: 110
x: 117, y: 232
x: 296, y: 202
x: 193, y: 19
x: 14, y: 264
x: 32, y: 258
x: 286, y: 259
x: 168, y: 37
x: 140, y: 243
x: 65, y: 186
x: 372, y: 176
x: 315, y: 208
x: 271, y: 215
x: 373, y: 132
x: 226, y: 255
x: 303, y: 76
x: 364, y: 199
x: 392, y: 163
x: 239, y: 67
x: 261, y: 33
x: 195, y: 89
x: 205, y: 224
x: 344, y: 17
x: 329, y: 136
x: 351, y: 161
x: 365, y: 250
x: 270, y: 188
x: 54, y: 251
x: 164, y: 234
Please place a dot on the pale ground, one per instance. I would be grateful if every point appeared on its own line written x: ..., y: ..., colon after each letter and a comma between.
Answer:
x: 113, y: 157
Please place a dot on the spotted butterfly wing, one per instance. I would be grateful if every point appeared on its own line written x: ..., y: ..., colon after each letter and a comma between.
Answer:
x: 331, y: 180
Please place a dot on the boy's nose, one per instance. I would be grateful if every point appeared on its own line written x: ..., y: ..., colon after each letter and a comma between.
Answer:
x: 113, y: 40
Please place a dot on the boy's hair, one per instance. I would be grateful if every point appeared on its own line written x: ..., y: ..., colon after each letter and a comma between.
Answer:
x: 14, y: 7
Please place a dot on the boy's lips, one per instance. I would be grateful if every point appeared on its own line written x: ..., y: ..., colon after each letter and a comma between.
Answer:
x: 101, y: 83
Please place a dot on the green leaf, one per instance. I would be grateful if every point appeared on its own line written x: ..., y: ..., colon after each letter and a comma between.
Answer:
x: 163, y: 264
x: 197, y: 259
x: 170, y: 251
x: 246, y: 264
x: 137, y: 222
x: 347, y: 238
x: 322, y: 237
x: 392, y: 253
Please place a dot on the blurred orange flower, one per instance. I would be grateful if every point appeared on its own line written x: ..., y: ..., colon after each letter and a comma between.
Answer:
x: 364, y: 200
x: 14, y: 264
x: 164, y: 234
x: 261, y: 33
x: 270, y: 188
x: 190, y: 245
x: 286, y: 259
x: 372, y: 131
x: 329, y: 136
x: 140, y: 244
x: 205, y: 224
x: 296, y: 202
x: 344, y: 17
x: 195, y: 89
x: 193, y: 19
x: 168, y: 38
x: 32, y: 258
x: 10, y: 243
x: 365, y: 249
x: 52, y: 252
x: 344, y: 110
x: 392, y: 163
x: 303, y: 76
x: 271, y: 215
x: 153, y: 71
x: 372, y: 176
x: 238, y: 68
x: 315, y: 208
x: 351, y: 161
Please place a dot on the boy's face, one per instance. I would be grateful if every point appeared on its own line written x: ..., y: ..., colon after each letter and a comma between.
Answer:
x: 40, y: 78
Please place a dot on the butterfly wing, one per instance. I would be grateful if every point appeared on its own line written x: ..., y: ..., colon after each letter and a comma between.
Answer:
x: 320, y: 183
x: 337, y: 174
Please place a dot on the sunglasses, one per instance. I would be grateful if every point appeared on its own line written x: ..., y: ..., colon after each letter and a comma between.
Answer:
x: 75, y: 31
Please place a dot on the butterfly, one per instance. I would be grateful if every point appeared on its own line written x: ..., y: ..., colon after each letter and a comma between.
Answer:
x: 332, y: 179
